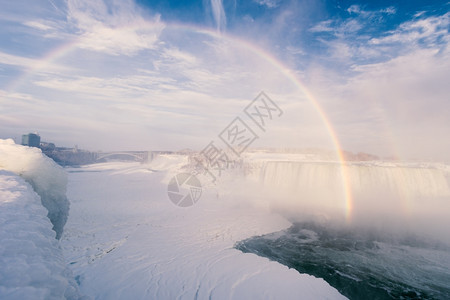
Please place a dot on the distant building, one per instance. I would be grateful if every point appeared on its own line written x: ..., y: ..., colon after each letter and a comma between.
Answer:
x: 31, y: 140
x: 47, y: 146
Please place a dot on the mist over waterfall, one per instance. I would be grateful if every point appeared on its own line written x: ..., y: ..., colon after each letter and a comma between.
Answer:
x: 381, y: 195
x: 372, y: 230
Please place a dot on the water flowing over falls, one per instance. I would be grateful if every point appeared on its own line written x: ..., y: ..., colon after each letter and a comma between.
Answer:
x: 381, y: 191
x: 384, y: 237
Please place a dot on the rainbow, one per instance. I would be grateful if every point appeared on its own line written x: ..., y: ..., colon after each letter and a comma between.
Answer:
x: 293, y: 78
x: 64, y: 49
x: 44, y: 62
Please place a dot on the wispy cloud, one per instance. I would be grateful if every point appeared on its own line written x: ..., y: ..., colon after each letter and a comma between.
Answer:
x: 397, y: 104
x: 350, y: 45
x: 14, y: 60
x: 358, y: 19
x: 358, y: 10
x: 29, y: 63
x: 426, y: 32
x: 324, y: 26
x: 174, y: 87
x: 41, y: 25
x: 219, y: 15
x: 116, y: 28
x: 268, y: 3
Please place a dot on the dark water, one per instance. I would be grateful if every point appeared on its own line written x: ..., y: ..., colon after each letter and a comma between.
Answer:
x: 360, y: 265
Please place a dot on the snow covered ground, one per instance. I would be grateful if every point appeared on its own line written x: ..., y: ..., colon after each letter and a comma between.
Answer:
x: 32, y: 265
x: 126, y: 240
x: 32, y: 203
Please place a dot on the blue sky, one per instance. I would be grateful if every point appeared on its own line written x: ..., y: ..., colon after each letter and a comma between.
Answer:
x: 107, y: 74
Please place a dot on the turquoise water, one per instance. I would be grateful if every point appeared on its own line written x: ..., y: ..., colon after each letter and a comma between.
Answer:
x: 361, y: 264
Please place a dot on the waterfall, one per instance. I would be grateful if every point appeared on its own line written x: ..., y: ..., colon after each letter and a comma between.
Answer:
x: 318, y: 187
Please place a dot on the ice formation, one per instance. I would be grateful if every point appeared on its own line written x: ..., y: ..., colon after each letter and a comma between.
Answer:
x: 32, y: 265
x: 47, y: 178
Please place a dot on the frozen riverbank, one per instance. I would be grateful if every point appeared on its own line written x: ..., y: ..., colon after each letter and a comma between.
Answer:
x: 32, y: 265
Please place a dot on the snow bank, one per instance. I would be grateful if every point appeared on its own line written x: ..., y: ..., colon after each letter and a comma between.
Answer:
x: 46, y: 177
x: 126, y: 240
x: 31, y: 262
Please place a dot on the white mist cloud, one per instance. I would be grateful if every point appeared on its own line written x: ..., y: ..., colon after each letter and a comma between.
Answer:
x: 398, y: 107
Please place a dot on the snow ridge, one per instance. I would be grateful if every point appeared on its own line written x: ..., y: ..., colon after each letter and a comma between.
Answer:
x: 47, y: 178
x: 32, y: 265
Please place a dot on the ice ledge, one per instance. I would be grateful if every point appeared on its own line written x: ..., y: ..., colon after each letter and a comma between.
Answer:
x: 47, y: 178
x: 32, y: 265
